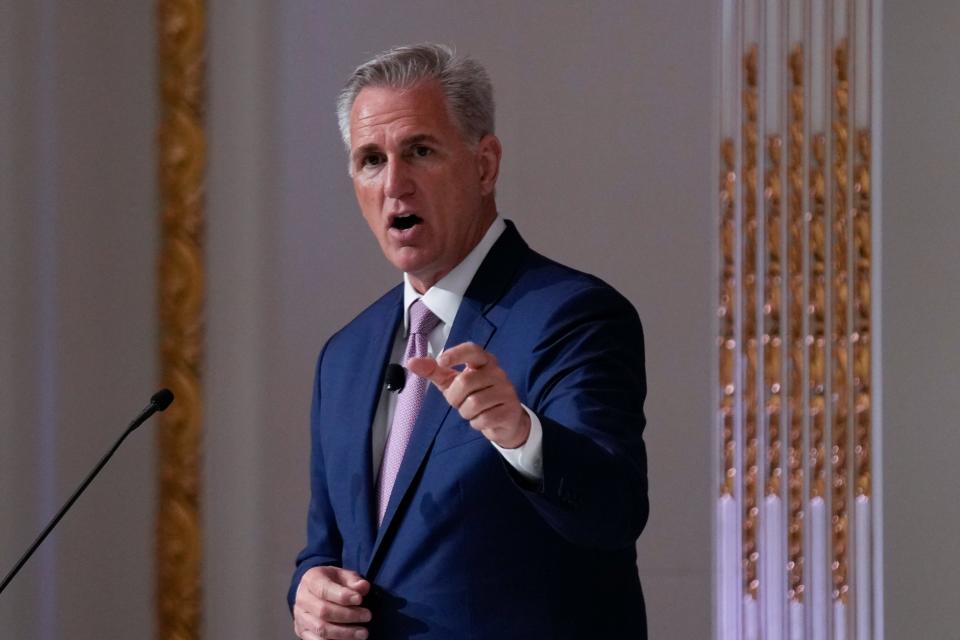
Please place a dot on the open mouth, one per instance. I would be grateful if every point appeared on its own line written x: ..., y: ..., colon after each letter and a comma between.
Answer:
x: 405, y: 222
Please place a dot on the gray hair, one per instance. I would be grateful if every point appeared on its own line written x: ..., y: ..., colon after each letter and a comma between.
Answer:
x: 464, y: 82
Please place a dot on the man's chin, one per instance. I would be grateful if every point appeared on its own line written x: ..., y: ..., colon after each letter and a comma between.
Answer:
x: 423, y: 273
x: 409, y: 260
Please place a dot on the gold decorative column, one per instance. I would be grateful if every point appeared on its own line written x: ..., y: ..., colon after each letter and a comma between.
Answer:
x: 796, y: 538
x: 182, y: 159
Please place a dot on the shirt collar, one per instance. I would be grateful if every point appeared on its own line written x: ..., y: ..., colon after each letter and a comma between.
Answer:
x: 444, y: 298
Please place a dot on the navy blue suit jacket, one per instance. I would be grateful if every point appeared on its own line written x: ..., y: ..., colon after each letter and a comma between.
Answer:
x: 468, y: 548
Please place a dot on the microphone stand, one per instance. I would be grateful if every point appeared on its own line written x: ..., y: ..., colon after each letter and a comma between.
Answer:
x: 158, y: 402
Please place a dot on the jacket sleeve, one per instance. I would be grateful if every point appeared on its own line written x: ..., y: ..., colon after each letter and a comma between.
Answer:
x: 324, y: 543
x: 587, y: 385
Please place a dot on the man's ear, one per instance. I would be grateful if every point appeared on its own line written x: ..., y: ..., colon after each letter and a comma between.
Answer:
x: 488, y: 162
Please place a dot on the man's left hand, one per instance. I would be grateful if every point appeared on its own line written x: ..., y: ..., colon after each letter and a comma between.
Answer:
x: 481, y: 392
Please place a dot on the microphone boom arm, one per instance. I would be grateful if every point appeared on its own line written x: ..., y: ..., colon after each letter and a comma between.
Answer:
x: 158, y: 402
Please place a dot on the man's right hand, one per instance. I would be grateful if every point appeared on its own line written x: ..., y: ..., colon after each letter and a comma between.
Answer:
x: 327, y: 606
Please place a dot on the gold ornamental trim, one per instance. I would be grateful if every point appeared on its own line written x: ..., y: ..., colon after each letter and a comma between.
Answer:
x: 182, y: 161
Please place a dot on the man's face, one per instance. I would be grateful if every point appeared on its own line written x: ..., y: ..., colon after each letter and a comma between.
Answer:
x: 425, y: 192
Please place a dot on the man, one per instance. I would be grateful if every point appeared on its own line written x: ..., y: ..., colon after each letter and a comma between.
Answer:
x: 496, y: 487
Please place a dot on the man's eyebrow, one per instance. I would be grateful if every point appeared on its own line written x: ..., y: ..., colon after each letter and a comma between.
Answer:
x: 365, y: 149
x: 420, y: 137
x: 372, y: 147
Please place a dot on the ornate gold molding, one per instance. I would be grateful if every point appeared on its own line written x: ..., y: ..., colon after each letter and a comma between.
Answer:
x: 182, y: 160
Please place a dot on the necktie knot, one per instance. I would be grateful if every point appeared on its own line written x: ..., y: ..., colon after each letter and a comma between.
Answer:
x: 422, y: 320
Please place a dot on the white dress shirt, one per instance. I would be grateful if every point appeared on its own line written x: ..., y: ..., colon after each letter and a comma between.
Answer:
x: 444, y: 299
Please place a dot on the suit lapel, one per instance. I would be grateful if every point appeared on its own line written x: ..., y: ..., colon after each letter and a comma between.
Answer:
x: 360, y: 451
x: 493, y: 278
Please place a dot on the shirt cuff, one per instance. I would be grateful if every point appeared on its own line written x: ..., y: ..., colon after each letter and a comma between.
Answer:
x: 527, y: 459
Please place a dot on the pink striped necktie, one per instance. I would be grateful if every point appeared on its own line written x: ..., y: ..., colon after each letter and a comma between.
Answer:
x: 422, y: 322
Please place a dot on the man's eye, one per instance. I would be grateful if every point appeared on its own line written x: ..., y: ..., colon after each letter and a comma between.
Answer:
x: 371, y: 160
x: 421, y: 151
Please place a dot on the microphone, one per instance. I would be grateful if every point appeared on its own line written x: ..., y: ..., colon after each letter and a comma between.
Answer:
x: 158, y: 402
x: 395, y: 378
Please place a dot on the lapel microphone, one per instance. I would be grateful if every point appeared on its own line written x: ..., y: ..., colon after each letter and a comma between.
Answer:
x: 395, y: 378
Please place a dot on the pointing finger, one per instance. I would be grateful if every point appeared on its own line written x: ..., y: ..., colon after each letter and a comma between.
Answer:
x: 468, y: 353
x: 429, y: 368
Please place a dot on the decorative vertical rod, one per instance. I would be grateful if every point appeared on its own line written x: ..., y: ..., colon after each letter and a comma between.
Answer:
x: 773, y: 548
x: 861, y: 326
x: 861, y: 386
x: 182, y: 160
x: 839, y: 322
x: 728, y: 512
x: 819, y: 611
x: 796, y: 304
x: 750, y: 344
x: 817, y: 257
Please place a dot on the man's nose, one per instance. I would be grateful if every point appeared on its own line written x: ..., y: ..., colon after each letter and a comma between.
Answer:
x: 399, y: 182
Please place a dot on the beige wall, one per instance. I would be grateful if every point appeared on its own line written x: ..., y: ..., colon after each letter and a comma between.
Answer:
x: 77, y: 344
x: 921, y: 318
